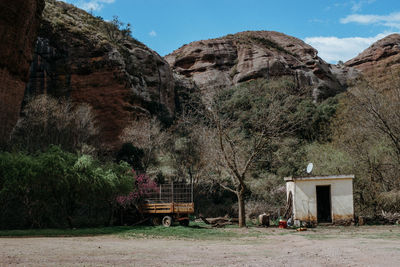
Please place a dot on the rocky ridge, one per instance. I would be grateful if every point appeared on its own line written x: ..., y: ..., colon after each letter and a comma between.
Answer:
x: 380, y: 60
x: 19, y: 22
x: 85, y: 59
x: 385, y: 51
x: 233, y: 59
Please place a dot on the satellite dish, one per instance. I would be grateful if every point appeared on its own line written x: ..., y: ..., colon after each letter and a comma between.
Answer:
x: 310, y: 167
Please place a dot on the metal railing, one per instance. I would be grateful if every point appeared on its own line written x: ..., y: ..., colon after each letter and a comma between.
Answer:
x: 173, y: 192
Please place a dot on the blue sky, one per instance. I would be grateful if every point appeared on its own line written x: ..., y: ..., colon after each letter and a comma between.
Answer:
x: 338, y: 29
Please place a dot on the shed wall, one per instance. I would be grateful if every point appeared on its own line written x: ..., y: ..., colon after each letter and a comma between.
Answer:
x: 305, y: 200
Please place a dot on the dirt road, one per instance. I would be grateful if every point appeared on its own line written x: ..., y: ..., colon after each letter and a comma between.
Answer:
x: 349, y: 246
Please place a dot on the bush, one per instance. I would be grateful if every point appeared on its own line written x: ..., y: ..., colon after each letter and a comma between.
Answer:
x: 59, y: 189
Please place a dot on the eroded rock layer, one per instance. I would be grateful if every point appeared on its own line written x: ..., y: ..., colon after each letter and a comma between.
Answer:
x: 19, y: 21
x: 381, y: 61
x: 233, y: 59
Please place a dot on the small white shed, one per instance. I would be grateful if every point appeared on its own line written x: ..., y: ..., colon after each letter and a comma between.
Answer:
x: 321, y: 199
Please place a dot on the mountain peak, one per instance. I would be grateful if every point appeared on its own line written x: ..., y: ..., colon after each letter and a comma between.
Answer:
x: 236, y: 58
x: 385, y: 51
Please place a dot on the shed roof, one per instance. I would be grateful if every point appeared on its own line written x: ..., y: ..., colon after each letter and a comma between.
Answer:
x: 313, y: 178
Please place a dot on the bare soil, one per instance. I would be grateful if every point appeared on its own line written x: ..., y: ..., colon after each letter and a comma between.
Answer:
x: 323, y: 246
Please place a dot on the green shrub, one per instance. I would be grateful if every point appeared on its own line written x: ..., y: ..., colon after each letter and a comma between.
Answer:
x: 59, y: 189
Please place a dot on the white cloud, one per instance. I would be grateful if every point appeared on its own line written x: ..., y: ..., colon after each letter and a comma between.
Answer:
x: 153, y: 33
x: 93, y: 5
x: 357, y: 5
x: 333, y: 49
x: 392, y: 20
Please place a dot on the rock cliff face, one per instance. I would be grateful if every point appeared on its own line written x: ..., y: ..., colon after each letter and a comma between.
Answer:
x: 19, y: 21
x: 85, y: 59
x: 380, y: 60
x: 386, y: 50
x: 230, y: 60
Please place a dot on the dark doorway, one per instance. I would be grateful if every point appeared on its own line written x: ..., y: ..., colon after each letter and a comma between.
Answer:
x: 324, y: 204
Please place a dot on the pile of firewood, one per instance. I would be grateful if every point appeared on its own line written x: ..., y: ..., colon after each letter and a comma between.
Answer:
x: 219, y: 221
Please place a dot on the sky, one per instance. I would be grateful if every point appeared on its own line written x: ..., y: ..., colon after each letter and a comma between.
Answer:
x: 338, y: 29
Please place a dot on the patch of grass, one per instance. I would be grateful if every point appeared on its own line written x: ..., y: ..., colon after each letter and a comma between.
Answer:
x: 65, y: 232
x: 385, y: 235
x: 320, y: 236
x: 271, y: 44
x: 194, y: 231
x: 346, y: 233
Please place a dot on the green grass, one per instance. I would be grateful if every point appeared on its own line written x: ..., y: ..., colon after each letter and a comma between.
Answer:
x: 64, y: 232
x: 348, y: 233
x: 201, y: 231
x: 194, y: 231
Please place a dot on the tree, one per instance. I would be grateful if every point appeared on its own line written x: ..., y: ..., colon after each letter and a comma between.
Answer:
x: 368, y: 129
x: 47, y: 121
x: 146, y: 135
x: 240, y: 127
x: 185, y: 150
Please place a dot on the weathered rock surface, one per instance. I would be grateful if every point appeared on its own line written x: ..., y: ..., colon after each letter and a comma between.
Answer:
x: 19, y: 21
x: 233, y: 59
x: 386, y: 50
x: 380, y: 60
x: 119, y: 77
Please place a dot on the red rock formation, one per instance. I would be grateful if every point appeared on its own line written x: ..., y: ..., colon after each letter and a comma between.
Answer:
x: 380, y: 61
x: 19, y: 21
x: 385, y: 50
x: 121, y: 79
x: 227, y: 61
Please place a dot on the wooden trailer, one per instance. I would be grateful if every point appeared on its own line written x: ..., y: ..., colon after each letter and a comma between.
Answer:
x: 172, y: 202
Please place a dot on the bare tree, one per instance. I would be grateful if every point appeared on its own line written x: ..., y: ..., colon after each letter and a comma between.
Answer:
x: 146, y: 134
x: 47, y: 121
x: 233, y: 144
x: 380, y: 109
x: 368, y: 129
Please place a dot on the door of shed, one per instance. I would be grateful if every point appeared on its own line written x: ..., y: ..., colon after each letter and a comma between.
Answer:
x: 324, y: 206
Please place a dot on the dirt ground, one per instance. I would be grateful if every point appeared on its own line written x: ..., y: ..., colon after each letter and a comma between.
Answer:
x: 327, y: 246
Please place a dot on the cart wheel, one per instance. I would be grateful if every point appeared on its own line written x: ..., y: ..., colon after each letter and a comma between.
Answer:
x: 155, y: 220
x: 167, y: 221
x: 184, y: 222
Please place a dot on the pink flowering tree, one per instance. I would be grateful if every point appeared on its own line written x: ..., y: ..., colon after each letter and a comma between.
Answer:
x: 143, y: 187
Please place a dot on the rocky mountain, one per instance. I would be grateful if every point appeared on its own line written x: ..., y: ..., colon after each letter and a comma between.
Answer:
x: 381, y: 53
x: 89, y: 60
x: 380, y: 60
x: 233, y: 59
x: 19, y: 21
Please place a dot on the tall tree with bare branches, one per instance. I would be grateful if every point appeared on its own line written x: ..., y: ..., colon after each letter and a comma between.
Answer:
x: 241, y: 125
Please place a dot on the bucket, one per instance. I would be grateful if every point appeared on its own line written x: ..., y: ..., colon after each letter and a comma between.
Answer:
x: 282, y: 224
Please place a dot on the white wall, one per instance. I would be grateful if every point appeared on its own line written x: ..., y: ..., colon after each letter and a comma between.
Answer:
x: 305, y: 199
